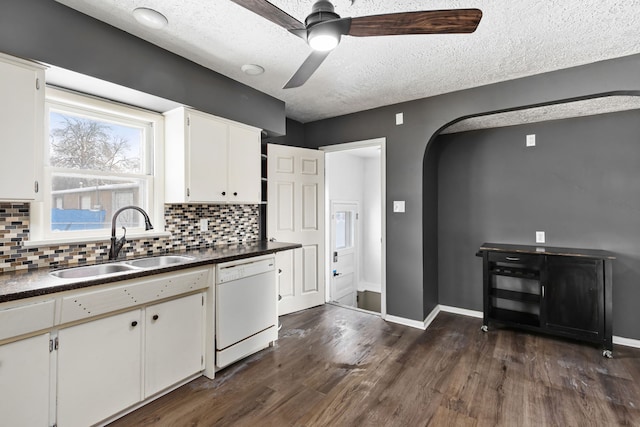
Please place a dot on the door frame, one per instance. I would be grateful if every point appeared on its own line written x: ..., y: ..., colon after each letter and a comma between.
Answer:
x: 375, y: 142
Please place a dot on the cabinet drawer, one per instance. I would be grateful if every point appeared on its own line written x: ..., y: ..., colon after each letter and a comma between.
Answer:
x: 132, y: 293
x: 26, y: 318
x: 517, y: 259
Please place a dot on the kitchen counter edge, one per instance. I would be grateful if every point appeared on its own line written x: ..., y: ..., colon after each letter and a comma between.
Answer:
x: 22, y: 284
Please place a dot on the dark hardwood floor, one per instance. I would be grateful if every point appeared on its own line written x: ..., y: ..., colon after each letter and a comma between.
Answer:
x: 338, y: 367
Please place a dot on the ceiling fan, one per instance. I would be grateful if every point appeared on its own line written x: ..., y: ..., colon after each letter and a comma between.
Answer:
x: 323, y: 27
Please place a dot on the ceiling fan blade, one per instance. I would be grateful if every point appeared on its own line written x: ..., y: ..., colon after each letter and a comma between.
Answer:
x: 300, y: 33
x: 271, y: 12
x: 425, y: 22
x: 308, y: 67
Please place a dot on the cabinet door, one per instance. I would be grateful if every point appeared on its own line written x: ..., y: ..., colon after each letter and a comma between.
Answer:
x: 285, y: 278
x: 574, y: 297
x: 207, y: 157
x: 244, y: 165
x: 99, y: 368
x: 21, y: 129
x: 174, y: 344
x: 24, y: 382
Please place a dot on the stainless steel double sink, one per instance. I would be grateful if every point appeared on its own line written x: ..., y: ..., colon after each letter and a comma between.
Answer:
x: 101, y: 270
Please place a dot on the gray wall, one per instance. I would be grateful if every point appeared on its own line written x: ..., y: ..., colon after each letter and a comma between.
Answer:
x: 412, y: 237
x: 580, y: 184
x: 294, y: 136
x: 49, y: 32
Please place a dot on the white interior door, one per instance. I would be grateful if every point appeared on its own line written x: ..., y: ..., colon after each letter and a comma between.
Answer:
x: 295, y: 213
x: 344, y: 252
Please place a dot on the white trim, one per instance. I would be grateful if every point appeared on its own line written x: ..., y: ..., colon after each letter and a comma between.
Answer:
x: 406, y: 322
x: 414, y: 323
x: 382, y: 143
x: 431, y: 317
x: 120, y: 113
x: 628, y: 342
x: 462, y: 311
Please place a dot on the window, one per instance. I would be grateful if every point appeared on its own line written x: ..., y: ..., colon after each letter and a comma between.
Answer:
x: 99, y: 157
x: 344, y: 229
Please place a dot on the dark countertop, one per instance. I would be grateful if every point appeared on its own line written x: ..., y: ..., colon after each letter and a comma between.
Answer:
x: 17, y: 285
x: 547, y: 250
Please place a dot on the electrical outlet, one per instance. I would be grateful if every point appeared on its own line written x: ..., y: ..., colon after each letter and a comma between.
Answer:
x: 398, y: 206
x: 540, y: 237
x: 204, y: 224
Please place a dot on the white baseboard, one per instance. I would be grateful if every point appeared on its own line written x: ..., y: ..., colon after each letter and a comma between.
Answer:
x: 406, y: 322
x: 414, y: 323
x: 627, y: 342
x: 462, y: 311
x: 431, y: 317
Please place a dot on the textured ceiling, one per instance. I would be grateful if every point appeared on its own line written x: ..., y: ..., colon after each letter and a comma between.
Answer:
x: 514, y: 39
x: 608, y: 104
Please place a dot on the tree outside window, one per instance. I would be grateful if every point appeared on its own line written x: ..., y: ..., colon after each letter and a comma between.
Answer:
x: 94, y: 162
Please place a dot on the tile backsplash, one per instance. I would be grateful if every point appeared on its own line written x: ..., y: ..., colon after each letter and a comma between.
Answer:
x: 226, y: 224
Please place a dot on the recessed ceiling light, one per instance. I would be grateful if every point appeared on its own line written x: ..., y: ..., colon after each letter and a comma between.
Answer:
x: 150, y: 18
x: 252, y: 69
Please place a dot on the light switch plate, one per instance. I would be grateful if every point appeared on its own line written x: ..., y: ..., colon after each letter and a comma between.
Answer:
x: 399, y: 118
x: 531, y: 140
x: 540, y: 237
x: 204, y: 224
x: 398, y: 205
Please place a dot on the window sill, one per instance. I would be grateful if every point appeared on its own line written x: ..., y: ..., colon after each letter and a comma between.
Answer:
x: 75, y: 240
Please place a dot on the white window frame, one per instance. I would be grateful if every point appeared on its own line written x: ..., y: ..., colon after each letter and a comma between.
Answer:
x: 74, y: 102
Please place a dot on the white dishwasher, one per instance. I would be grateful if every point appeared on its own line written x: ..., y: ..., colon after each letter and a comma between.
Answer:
x: 246, y: 308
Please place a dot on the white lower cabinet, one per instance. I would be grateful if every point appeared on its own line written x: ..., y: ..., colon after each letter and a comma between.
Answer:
x: 104, y: 364
x: 99, y: 368
x: 24, y: 382
x: 174, y: 342
x: 90, y: 355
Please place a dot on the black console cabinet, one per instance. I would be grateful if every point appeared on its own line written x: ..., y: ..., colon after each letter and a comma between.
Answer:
x: 560, y: 291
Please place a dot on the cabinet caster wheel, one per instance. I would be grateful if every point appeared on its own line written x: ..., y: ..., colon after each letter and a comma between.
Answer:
x: 484, y: 328
x: 607, y: 353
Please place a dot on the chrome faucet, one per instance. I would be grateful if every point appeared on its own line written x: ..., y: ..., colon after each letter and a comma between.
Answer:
x: 116, y: 245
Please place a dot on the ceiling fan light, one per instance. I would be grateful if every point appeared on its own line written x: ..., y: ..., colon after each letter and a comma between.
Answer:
x: 323, y: 42
x: 323, y: 38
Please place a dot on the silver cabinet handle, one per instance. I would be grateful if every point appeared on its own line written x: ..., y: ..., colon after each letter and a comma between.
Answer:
x: 513, y: 258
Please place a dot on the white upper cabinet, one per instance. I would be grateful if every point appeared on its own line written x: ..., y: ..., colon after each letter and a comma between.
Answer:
x: 21, y: 128
x: 244, y: 165
x: 210, y: 160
